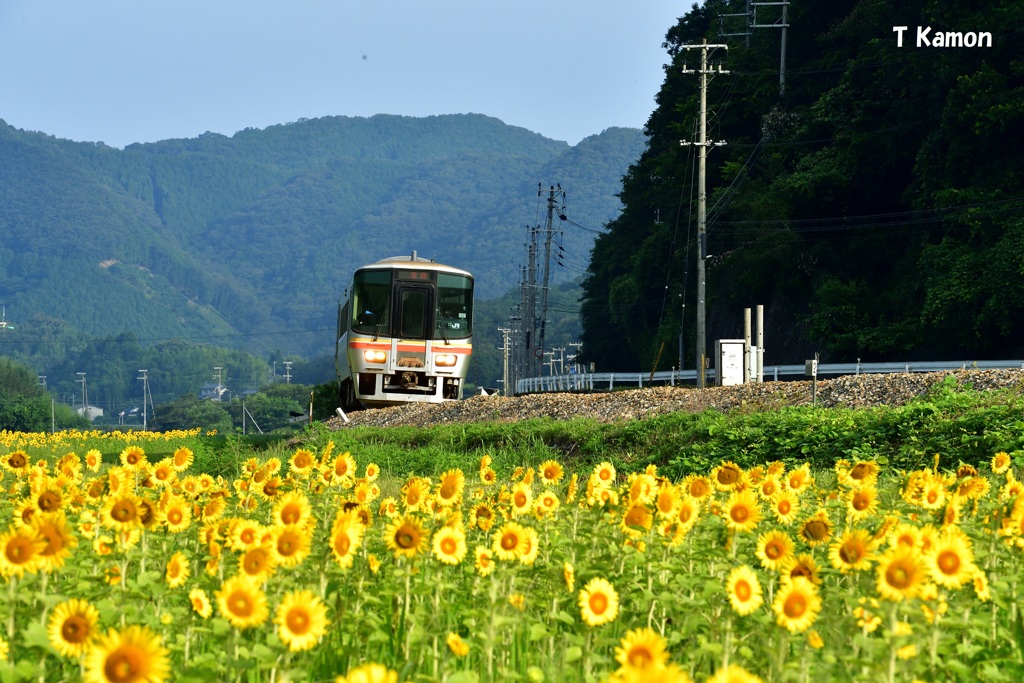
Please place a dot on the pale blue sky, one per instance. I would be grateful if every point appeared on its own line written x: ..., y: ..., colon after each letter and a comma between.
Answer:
x: 124, y: 71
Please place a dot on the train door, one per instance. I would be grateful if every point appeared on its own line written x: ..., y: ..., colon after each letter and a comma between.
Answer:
x: 414, y: 304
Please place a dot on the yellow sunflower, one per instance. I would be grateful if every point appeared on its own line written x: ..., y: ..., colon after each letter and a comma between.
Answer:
x: 530, y: 546
x: 862, y: 503
x: 483, y: 560
x: 800, y: 566
x: 290, y: 545
x: 20, y: 551
x: 522, y: 499
x: 734, y: 673
x: 132, y: 655
x: 450, y: 488
x: 406, y: 537
x: 728, y: 476
x: 744, y: 590
x: 796, y: 605
x: 302, y: 462
x: 449, y: 545
x: 133, y: 458
x: 768, y: 487
x: 800, y: 479
x: 786, y: 506
x: 641, y: 648
x: 93, y: 460
x: 60, y: 541
x: 667, y: 500
x: 301, y: 620
x: 817, y: 529
x: 509, y: 541
x: 415, y: 494
x: 741, y: 511
x: 182, y: 459
x: 346, y: 537
x: 72, y: 627
x: 599, y: 602
x: 258, y: 563
x: 488, y: 476
x: 774, y: 548
x: 177, y: 571
x: 604, y: 473
x: 1001, y: 462
x: 901, y: 574
x: 292, y: 509
x: 547, y: 504
x: 636, y: 520
x: 372, y: 471
x: 457, y: 645
x: 853, y: 551
x: 642, y: 488
x: 696, y: 486
x: 200, y: 602
x: 122, y: 512
x: 951, y: 560
x: 551, y: 472
x: 369, y: 673
x: 242, y: 602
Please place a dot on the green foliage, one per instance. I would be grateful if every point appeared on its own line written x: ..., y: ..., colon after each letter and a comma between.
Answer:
x: 880, y: 170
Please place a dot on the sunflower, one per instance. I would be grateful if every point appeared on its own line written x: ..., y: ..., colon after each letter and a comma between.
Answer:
x: 20, y: 551
x: 449, y: 545
x: 569, y: 575
x: 599, y: 603
x: 688, y: 512
x: 200, y: 603
x: 800, y: 479
x: 292, y: 509
x: 301, y: 620
x: 734, y: 673
x: 1001, y: 462
x: 901, y: 574
x: 3, y: 649
x: 768, y: 487
x: 800, y: 566
x: 242, y: 602
x: 48, y: 498
x: 60, y: 541
x: 415, y: 494
x: 182, y: 459
x: 933, y: 494
x: 774, y: 548
x: 244, y: 534
x: 862, y: 503
x: 509, y: 541
x: 450, y: 488
x: 530, y: 546
x: 372, y: 471
x: 131, y: 655
x: 121, y: 512
x: 796, y: 605
x: 301, y: 462
x: 951, y: 560
x: 488, y: 476
x: 343, y: 467
x: 547, y: 504
x: 176, y: 513
x: 164, y: 474
x: 72, y: 627
x: 133, y: 458
x: 636, y: 521
x: 93, y: 460
x: 290, y: 545
x: 346, y: 537
x: 666, y: 502
x: 369, y: 673
x: 551, y: 472
x: 786, y: 506
x: 177, y: 570
x: 728, y: 476
x: 744, y: 590
x: 406, y: 537
x: 641, y: 648
x: 817, y: 529
x: 522, y: 499
x: 457, y: 645
x: 483, y: 560
x: 604, y: 474
x: 741, y: 511
x: 853, y: 551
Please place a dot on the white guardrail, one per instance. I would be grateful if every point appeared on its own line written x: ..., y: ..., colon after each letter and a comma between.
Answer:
x: 607, y: 381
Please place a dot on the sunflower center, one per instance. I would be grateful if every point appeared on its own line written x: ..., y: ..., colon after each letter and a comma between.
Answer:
x: 899, y: 576
x: 124, y: 665
x: 784, y: 507
x: 773, y: 550
x: 859, y: 471
x: 699, y: 489
x: 174, y: 516
x: 123, y: 511
x: 520, y: 499
x: 640, y: 656
x: 743, y: 591
x: 816, y: 530
x: 448, y: 490
x: 740, y: 513
x: 254, y: 562
x: 795, y: 606
x: 598, y: 603
x: 861, y: 502
x: 933, y: 496
x: 298, y: 621
x: 49, y: 501
x: 509, y: 541
x: 449, y: 546
x: 948, y: 562
x: 17, y: 460
x: 342, y: 544
x: 75, y: 629
x: 406, y: 538
x: 240, y: 604
x: 727, y: 475
x: 19, y: 551
x: 291, y: 513
x: 851, y: 553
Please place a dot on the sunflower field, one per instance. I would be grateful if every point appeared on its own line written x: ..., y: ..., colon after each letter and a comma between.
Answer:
x: 122, y: 562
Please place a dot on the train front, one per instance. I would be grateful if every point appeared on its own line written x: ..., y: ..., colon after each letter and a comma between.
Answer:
x: 407, y: 333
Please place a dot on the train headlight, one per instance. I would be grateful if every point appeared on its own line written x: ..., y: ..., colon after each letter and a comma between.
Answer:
x: 445, y: 360
x: 371, y: 356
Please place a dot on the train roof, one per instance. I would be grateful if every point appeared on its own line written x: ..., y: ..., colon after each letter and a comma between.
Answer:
x: 414, y: 260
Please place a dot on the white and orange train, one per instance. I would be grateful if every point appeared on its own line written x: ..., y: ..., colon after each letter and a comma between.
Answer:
x: 404, y: 333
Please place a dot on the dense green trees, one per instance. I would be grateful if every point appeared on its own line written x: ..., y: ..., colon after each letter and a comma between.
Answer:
x: 873, y: 208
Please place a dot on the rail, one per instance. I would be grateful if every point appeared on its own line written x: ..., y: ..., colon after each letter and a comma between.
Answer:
x: 607, y: 381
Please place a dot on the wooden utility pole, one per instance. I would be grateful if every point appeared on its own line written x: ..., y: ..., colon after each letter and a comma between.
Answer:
x: 702, y: 238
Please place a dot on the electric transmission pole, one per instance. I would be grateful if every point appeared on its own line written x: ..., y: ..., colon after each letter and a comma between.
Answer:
x: 702, y: 237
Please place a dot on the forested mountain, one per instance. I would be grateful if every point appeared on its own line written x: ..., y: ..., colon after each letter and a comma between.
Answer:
x: 247, y: 242
x: 874, y: 208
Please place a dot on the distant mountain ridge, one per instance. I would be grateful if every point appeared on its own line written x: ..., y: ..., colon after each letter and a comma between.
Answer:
x: 248, y: 241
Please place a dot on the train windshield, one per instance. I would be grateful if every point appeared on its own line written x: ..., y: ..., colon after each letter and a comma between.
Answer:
x: 454, y: 314
x: 371, y: 302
